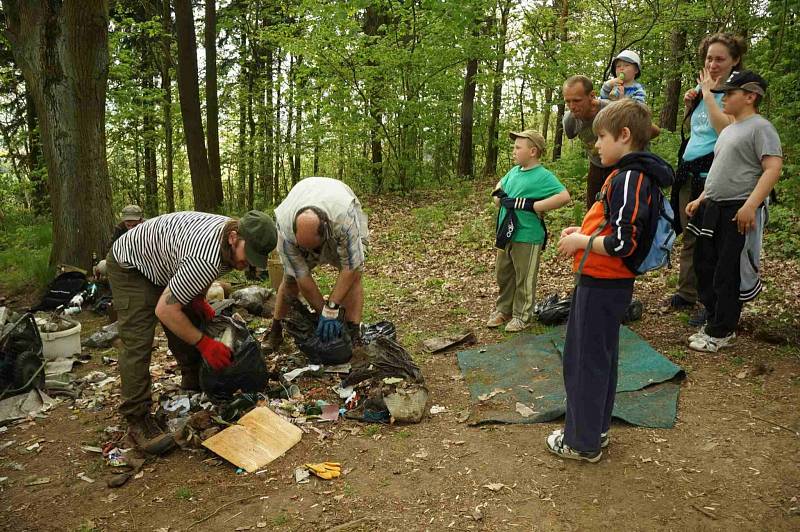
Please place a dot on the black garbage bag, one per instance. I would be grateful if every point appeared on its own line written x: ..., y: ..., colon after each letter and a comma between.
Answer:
x: 633, y: 312
x: 61, y: 290
x: 391, y: 360
x: 247, y: 372
x: 553, y: 310
x: 382, y: 328
x: 301, y: 324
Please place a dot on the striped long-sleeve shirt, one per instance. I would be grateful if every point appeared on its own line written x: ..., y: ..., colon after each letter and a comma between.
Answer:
x: 180, y: 251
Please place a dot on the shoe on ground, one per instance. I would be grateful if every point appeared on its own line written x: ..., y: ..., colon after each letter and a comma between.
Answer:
x: 710, y: 344
x: 147, y: 436
x: 555, y: 444
x: 604, y: 439
x: 700, y: 318
x: 516, y: 325
x: 699, y: 334
x: 497, y: 319
x: 677, y: 302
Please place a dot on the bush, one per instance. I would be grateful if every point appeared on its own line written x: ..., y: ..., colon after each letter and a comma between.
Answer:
x: 25, y: 242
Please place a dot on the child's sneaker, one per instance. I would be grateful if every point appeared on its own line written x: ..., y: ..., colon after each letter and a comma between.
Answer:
x: 497, y: 319
x: 516, y: 325
x: 555, y: 444
x: 710, y: 344
x: 604, y: 439
x: 699, y: 334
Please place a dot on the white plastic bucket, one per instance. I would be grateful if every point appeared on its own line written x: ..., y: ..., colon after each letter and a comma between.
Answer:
x: 61, y: 343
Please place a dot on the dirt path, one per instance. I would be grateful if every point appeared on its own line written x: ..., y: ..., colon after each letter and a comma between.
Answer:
x: 728, y: 463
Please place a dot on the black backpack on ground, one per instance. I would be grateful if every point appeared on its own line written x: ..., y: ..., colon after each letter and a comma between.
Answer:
x: 61, y: 290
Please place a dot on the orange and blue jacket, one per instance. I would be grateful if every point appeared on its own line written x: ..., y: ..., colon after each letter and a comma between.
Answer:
x: 627, y: 193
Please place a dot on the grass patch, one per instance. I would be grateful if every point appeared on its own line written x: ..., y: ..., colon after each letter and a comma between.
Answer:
x: 25, y: 253
x: 184, y: 493
x: 402, y: 434
x: 372, y: 430
x: 280, y: 520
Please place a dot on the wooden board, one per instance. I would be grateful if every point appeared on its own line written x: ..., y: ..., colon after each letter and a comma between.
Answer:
x: 259, y: 437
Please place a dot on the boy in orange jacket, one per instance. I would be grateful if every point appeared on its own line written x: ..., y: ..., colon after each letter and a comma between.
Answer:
x: 610, y: 239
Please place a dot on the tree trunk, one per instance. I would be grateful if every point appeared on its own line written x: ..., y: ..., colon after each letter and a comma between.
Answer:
x: 277, y: 134
x: 149, y: 140
x: 559, y: 140
x: 298, y: 119
x: 271, y: 183
x: 37, y: 173
x: 672, y: 88
x: 490, y: 167
x: 317, y: 113
x: 465, y: 164
x: 203, y: 187
x: 290, y: 118
x: 62, y: 50
x: 212, y: 102
x: 373, y: 18
x: 243, y: 96
x: 166, y: 87
x: 547, y: 109
x: 521, y: 104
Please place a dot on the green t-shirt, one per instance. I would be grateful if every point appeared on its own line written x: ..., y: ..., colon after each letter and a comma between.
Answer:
x: 537, y: 182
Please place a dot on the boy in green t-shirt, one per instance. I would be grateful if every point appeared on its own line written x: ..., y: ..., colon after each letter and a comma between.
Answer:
x: 526, y: 192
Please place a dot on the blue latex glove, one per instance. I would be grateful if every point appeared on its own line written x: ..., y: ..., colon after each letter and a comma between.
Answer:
x: 329, y: 327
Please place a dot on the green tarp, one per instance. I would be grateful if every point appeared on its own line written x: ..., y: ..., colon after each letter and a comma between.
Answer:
x: 528, y: 370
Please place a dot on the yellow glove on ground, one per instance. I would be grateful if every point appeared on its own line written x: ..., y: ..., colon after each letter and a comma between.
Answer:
x: 326, y: 470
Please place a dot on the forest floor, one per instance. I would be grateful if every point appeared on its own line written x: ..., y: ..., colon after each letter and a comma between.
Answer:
x: 732, y: 461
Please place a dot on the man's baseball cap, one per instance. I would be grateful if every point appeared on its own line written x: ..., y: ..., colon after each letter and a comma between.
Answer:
x: 532, y: 135
x: 260, y: 237
x: 745, y: 80
x: 132, y: 213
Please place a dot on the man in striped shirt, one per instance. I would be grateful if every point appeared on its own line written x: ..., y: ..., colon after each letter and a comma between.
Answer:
x: 321, y: 222
x: 160, y: 271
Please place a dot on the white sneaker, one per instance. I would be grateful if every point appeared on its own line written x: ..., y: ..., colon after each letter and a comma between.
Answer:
x: 710, y: 344
x: 555, y: 444
x: 699, y: 334
x: 516, y: 325
x: 604, y: 439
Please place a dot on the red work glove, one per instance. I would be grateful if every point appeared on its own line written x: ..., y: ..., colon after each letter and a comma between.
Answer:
x: 202, y: 308
x: 215, y: 353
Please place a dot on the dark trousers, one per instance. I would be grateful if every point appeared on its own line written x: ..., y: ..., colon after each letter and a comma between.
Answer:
x: 594, y: 183
x: 716, y: 263
x: 135, y: 299
x: 591, y: 353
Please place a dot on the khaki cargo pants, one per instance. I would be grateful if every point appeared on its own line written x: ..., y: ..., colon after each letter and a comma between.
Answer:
x: 517, y: 267
x: 135, y: 299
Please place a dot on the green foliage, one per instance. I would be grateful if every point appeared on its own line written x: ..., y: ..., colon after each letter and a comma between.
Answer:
x: 25, y: 252
x: 184, y: 493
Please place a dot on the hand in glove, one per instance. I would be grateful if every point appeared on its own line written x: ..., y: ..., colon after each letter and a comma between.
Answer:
x: 329, y: 327
x: 523, y: 204
x: 326, y: 470
x: 215, y: 353
x: 202, y: 308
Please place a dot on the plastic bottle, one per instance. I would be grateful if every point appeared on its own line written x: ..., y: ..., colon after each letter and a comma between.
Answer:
x: 620, y: 90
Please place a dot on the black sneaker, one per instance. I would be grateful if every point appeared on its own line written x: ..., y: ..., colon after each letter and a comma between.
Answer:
x: 699, y: 319
x: 677, y: 302
x: 555, y: 444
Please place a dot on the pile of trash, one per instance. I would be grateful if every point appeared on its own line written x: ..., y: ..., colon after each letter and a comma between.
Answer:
x: 288, y: 393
